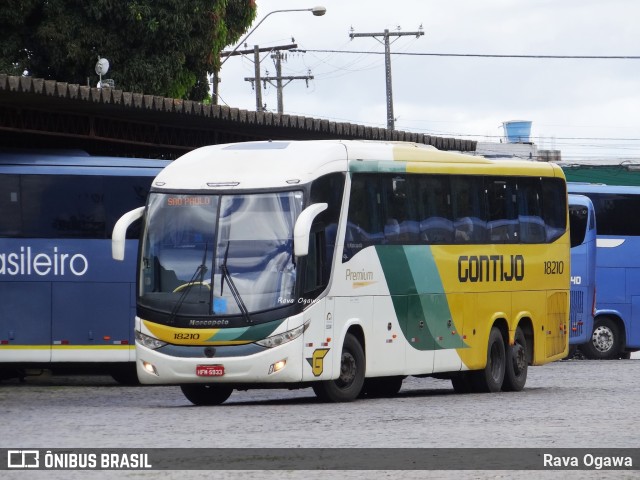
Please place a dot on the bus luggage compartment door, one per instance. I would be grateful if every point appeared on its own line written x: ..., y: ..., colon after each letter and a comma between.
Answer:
x: 25, y: 321
x: 91, y: 322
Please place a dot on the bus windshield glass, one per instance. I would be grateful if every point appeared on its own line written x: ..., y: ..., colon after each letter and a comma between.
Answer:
x: 210, y: 255
x: 578, y: 220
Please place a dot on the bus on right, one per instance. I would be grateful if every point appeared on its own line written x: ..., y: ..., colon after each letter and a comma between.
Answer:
x: 616, y: 325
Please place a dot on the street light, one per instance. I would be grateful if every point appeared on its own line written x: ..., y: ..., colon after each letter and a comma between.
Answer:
x: 316, y: 11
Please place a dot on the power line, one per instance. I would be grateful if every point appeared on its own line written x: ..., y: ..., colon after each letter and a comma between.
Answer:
x: 481, y: 55
x: 387, y: 62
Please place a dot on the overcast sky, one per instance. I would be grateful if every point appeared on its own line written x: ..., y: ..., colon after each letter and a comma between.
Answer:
x: 584, y: 107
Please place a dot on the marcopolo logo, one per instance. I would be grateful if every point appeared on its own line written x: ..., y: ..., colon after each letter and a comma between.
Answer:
x: 26, y: 261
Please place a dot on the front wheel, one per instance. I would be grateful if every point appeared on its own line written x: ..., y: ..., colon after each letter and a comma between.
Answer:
x: 206, y: 394
x: 606, y: 340
x: 348, y: 385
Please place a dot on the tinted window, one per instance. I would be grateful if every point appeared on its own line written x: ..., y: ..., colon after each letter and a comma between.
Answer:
x: 469, y: 208
x: 327, y: 189
x: 450, y: 209
x: 578, y: 219
x: 433, y: 204
x: 614, y: 213
x: 530, y: 215
x: 554, y: 207
x: 68, y: 206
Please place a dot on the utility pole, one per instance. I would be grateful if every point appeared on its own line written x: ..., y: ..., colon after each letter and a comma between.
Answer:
x: 387, y: 62
x: 255, y: 82
x: 277, y: 57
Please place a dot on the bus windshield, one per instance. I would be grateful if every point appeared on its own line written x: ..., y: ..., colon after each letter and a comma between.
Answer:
x: 578, y: 221
x: 219, y: 255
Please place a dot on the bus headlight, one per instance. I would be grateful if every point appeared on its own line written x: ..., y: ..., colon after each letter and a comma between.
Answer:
x: 149, y: 342
x: 282, y: 338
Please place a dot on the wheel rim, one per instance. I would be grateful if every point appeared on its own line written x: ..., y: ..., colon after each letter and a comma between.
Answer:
x: 602, y: 339
x: 348, y: 370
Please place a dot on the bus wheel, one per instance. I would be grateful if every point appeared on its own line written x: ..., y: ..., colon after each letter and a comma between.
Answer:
x: 348, y: 385
x: 381, y: 387
x: 206, y: 394
x: 605, y: 341
x: 490, y: 379
x: 515, y: 375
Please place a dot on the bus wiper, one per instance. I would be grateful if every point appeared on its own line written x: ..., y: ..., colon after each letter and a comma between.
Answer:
x: 200, y: 272
x: 232, y: 287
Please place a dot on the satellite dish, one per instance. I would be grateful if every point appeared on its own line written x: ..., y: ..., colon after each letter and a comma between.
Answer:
x: 102, y: 67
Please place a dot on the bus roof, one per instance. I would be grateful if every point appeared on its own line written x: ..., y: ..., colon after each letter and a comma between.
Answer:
x: 74, y: 162
x: 577, y: 199
x: 578, y: 187
x: 286, y: 163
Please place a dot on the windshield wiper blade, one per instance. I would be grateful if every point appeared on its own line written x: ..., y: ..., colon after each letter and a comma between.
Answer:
x: 232, y: 287
x: 200, y: 271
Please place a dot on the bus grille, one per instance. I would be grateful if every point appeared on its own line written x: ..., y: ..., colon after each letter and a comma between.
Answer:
x: 575, y: 315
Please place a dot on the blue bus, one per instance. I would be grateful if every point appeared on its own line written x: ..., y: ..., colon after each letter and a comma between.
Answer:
x: 582, y: 222
x: 616, y: 329
x: 63, y: 300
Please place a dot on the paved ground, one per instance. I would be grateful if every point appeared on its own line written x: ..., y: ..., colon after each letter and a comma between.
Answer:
x: 575, y: 403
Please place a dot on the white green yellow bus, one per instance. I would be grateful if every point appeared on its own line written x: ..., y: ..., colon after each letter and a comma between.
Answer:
x: 347, y: 266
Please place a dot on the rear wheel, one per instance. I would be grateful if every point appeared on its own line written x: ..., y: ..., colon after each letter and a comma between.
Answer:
x: 206, y: 394
x: 348, y: 385
x: 490, y: 379
x: 606, y: 340
x: 515, y: 375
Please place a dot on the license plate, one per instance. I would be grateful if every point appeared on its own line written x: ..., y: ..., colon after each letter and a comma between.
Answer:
x: 210, y: 370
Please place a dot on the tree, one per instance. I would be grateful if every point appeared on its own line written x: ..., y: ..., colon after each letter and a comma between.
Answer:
x: 159, y: 47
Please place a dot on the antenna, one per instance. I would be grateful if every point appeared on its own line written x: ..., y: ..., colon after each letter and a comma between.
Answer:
x: 102, y: 67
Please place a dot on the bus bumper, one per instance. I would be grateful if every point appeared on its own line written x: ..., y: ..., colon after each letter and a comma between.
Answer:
x: 282, y: 364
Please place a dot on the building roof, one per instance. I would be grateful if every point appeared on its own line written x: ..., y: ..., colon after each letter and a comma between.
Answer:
x: 47, y: 114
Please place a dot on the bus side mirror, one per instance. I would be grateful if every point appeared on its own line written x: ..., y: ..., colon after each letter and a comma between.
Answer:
x: 302, y: 228
x: 119, y: 234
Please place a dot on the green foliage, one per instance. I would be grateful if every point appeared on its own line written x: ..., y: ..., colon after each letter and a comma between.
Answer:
x: 158, y: 47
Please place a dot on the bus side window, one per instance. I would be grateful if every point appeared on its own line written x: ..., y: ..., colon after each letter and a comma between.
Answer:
x: 10, y: 206
x: 554, y: 207
x: 434, y: 215
x: 469, y: 209
x: 63, y: 206
x: 327, y: 189
x: 365, y: 224
x: 501, y: 201
x: 532, y: 229
x: 400, y: 225
x: 123, y: 194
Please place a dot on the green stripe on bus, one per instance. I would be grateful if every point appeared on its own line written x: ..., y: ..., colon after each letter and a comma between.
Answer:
x: 250, y: 333
x: 379, y: 166
x: 418, y: 296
